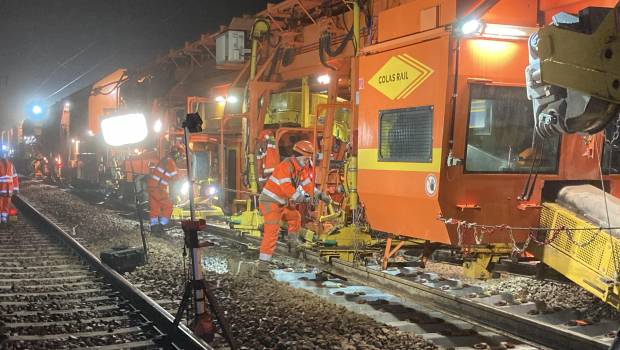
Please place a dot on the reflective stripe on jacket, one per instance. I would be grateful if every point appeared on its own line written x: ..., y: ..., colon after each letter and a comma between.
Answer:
x: 9, y: 181
x: 286, y: 177
x: 267, y: 155
x: 163, y: 173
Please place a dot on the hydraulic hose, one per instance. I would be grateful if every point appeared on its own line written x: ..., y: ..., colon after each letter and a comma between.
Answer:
x: 325, y: 43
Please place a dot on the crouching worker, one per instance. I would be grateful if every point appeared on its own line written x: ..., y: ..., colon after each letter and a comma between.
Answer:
x: 291, y: 183
x: 9, y: 184
x: 160, y: 204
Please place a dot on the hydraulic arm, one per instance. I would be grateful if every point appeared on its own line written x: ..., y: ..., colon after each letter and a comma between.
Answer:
x: 573, y: 78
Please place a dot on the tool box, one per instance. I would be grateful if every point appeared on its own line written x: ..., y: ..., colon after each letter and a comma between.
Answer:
x: 123, y: 259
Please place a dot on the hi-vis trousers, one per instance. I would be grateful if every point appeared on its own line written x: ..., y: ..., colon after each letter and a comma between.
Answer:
x: 273, y: 213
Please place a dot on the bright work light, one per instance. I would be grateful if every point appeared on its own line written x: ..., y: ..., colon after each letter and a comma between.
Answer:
x: 212, y: 190
x: 124, y: 129
x: 323, y: 79
x: 36, y: 109
x: 472, y: 26
x: 185, y: 188
x: 157, y: 126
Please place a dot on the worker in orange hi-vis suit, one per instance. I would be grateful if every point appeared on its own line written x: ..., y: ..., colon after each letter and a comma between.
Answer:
x: 157, y: 187
x: 9, y: 184
x: 290, y: 184
x: 267, y: 155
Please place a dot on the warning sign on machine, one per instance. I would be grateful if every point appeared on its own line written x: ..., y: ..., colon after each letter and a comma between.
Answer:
x: 400, y: 76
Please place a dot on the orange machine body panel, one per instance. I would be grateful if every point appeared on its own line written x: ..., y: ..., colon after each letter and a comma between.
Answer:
x: 103, y: 99
x: 406, y: 198
x: 393, y: 193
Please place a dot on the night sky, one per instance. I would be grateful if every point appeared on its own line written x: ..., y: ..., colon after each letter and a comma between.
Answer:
x: 47, y: 44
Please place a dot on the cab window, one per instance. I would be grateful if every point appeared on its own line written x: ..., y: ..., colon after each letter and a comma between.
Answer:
x: 500, y: 133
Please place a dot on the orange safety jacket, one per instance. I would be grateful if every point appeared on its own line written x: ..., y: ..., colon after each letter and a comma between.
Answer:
x: 267, y: 155
x: 163, y: 173
x: 287, y: 176
x: 9, y: 181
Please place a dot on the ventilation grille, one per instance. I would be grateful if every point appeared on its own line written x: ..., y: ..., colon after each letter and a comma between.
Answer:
x: 406, y: 135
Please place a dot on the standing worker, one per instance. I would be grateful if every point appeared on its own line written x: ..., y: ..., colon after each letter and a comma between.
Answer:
x: 291, y: 183
x: 9, y: 184
x: 157, y: 187
x: 267, y: 155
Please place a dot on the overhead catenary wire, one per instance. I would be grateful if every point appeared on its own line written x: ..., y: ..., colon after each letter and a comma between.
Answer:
x: 92, y: 68
x: 63, y: 64
x: 165, y: 19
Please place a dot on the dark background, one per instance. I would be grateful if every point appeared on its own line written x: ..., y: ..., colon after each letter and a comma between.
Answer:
x: 51, y: 48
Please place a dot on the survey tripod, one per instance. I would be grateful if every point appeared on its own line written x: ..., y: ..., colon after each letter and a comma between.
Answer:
x: 196, y: 288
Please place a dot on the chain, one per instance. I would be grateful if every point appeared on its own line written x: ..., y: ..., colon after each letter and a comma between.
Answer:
x: 569, y: 233
x: 479, y: 231
x: 515, y: 248
x: 554, y: 235
x: 478, y: 236
x: 459, y: 233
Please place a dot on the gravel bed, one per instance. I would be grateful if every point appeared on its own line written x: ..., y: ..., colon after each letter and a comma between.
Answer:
x: 99, y: 228
x: 264, y: 314
x: 554, y: 296
x: 548, y: 295
x: 300, y: 320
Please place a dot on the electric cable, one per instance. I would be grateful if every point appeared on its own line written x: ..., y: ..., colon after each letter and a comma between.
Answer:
x: 536, y: 171
x: 611, y: 238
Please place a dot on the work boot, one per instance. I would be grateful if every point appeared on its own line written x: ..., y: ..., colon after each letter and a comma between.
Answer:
x: 263, y: 269
x: 157, y: 229
x: 294, y: 244
x: 292, y: 241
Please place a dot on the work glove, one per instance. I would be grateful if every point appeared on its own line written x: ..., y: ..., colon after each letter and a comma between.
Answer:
x: 307, y: 199
x: 325, y: 198
x: 299, y: 197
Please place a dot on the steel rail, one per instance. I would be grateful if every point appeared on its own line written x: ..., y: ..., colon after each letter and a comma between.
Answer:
x: 517, y: 326
x: 179, y: 337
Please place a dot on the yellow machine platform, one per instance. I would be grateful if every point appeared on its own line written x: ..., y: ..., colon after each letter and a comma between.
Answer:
x: 585, y: 255
x: 179, y: 213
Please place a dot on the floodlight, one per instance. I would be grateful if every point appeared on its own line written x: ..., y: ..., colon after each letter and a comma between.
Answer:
x: 124, y: 129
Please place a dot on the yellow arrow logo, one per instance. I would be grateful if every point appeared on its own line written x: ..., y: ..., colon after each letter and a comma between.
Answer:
x: 400, y: 76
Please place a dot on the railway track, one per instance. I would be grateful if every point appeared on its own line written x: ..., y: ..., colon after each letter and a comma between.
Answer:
x: 480, y: 320
x: 444, y: 311
x: 54, y: 294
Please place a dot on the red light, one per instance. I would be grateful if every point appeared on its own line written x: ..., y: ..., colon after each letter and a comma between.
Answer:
x: 12, y: 211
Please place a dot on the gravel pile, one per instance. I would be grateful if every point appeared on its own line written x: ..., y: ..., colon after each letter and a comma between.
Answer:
x: 263, y: 314
x: 554, y: 296
x: 445, y: 270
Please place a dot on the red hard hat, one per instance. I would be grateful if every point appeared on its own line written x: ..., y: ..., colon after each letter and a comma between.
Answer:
x: 304, y: 147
